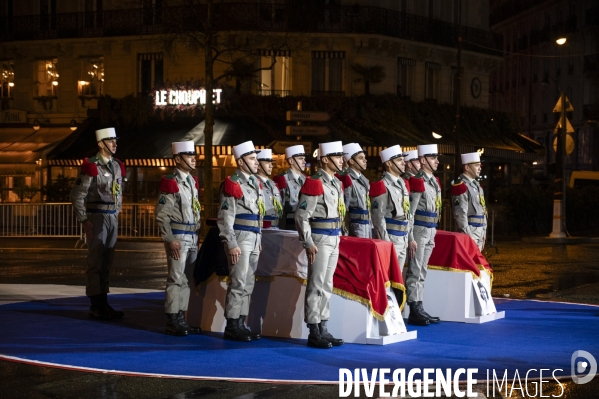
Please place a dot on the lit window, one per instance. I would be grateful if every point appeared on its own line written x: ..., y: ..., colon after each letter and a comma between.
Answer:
x: 91, y: 82
x: 275, y: 78
x: 7, y: 78
x: 47, y: 78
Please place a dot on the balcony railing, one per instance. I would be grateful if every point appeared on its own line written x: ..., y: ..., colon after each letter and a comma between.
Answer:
x: 298, y: 17
x: 276, y: 93
x: 327, y: 93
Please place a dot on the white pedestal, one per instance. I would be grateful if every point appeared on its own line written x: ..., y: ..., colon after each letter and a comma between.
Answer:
x: 456, y: 296
x: 277, y: 310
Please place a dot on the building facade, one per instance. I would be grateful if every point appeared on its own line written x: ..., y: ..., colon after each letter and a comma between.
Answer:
x: 60, y: 58
x: 536, y: 70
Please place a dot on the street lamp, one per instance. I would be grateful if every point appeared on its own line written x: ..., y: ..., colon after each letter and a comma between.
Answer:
x: 561, y: 40
x: 437, y: 136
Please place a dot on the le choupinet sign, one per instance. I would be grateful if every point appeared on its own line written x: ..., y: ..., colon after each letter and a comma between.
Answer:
x: 184, y: 97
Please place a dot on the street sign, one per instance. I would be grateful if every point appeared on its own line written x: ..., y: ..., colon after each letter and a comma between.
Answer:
x: 558, y: 106
x: 308, y: 116
x: 306, y: 130
x: 569, y: 144
x: 569, y: 128
x: 278, y: 147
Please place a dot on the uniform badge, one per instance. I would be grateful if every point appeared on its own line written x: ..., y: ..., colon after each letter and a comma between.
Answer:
x: 375, y: 205
x: 303, y: 205
x: 78, y: 182
x: 162, y: 200
x: 456, y: 202
x: 225, y: 206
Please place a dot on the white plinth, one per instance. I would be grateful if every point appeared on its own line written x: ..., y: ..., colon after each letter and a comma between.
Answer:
x: 277, y: 310
x: 456, y: 296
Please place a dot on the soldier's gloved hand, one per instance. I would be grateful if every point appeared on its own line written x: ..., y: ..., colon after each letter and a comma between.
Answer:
x: 233, y: 255
x: 88, y: 228
x: 174, y: 248
x: 412, y: 247
x: 311, y: 253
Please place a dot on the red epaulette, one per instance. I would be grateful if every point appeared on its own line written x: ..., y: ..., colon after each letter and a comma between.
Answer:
x: 416, y: 184
x: 260, y: 182
x: 439, y: 183
x: 458, y: 189
x: 345, y: 179
x: 89, y: 168
x: 280, y: 181
x: 232, y: 188
x: 312, y: 187
x: 407, y: 184
x: 195, y: 178
x: 122, y: 165
x: 168, y: 186
x: 377, y: 188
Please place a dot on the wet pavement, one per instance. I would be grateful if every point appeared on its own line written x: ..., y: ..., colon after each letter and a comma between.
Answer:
x: 566, y: 273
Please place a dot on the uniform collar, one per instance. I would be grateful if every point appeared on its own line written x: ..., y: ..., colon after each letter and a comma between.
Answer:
x: 243, y: 177
x: 181, y: 175
x: 103, y: 160
x: 326, y: 177
x: 390, y: 178
x: 353, y: 173
x: 295, y: 176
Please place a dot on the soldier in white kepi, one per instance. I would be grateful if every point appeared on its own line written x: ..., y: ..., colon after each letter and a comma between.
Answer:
x: 412, y: 164
x: 97, y: 201
x: 356, y: 187
x: 318, y: 219
x: 291, y: 182
x: 239, y: 222
x: 468, y: 198
x: 391, y: 216
x: 425, y: 203
x: 272, y: 196
x: 178, y: 217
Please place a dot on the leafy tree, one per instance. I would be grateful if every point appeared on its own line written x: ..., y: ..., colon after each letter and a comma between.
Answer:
x: 369, y: 74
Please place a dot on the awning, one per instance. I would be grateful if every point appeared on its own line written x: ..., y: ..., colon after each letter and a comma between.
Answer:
x: 25, y: 145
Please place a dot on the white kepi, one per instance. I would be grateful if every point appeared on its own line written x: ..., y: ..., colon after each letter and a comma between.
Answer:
x: 183, y: 147
x: 430, y: 150
x: 471, y: 157
x: 295, y: 151
x: 243, y: 149
x: 350, y: 150
x: 331, y: 148
x: 106, y: 134
x: 264, y: 155
x: 410, y: 155
x: 391, y: 153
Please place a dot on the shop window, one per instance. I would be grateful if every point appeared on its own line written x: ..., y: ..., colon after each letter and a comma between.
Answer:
x: 91, y: 82
x: 327, y: 72
x: 431, y: 80
x: 46, y: 83
x: 150, y: 72
x: 275, y: 79
x: 7, y: 78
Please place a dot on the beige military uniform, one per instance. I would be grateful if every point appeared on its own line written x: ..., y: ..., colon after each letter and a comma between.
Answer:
x: 290, y: 197
x: 96, y: 196
x: 272, y: 197
x: 391, y: 216
x: 357, y: 202
x: 469, y: 210
x: 178, y: 220
x: 318, y: 224
x: 239, y: 222
x: 426, y: 209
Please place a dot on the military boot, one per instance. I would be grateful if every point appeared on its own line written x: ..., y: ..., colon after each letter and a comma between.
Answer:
x: 173, y: 327
x: 327, y: 335
x: 185, y: 325
x: 97, y: 310
x: 234, y: 332
x: 416, y: 317
x: 114, y: 314
x: 431, y: 319
x: 316, y: 340
x: 253, y: 336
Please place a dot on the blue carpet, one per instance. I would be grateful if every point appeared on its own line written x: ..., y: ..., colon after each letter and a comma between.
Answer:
x: 533, y: 335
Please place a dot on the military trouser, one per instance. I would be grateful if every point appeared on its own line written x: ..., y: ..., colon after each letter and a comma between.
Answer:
x: 425, y: 238
x: 180, y: 272
x: 320, y: 279
x: 100, y: 253
x: 401, y: 249
x: 360, y: 230
x: 478, y: 235
x: 241, y: 274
